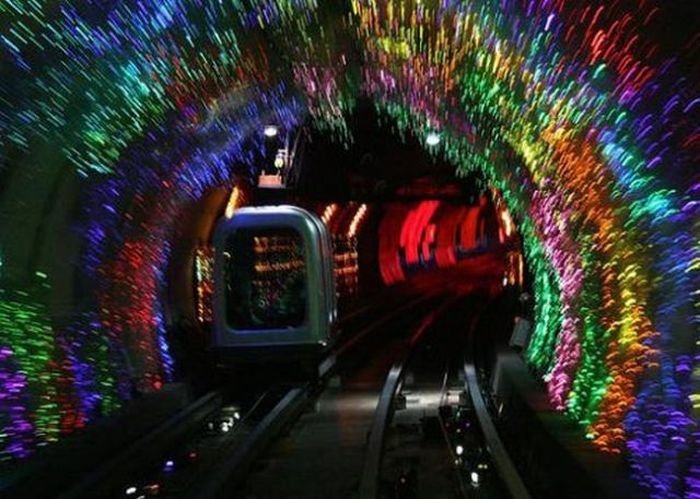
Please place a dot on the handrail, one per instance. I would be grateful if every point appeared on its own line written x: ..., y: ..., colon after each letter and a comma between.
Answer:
x: 369, y: 486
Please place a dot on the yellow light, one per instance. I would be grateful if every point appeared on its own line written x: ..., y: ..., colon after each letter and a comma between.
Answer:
x: 328, y: 213
x: 507, y: 222
x: 356, y: 220
x: 234, y: 202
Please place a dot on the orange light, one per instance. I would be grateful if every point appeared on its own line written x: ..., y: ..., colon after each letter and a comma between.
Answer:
x: 357, y: 220
x: 234, y: 202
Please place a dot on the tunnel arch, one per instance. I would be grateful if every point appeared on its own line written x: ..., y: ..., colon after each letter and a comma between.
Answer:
x: 152, y: 104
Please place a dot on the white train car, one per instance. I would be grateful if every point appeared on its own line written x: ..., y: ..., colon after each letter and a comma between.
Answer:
x: 274, y: 289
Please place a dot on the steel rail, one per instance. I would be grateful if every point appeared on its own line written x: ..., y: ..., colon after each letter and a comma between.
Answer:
x: 369, y: 481
x: 504, y: 465
x: 232, y: 469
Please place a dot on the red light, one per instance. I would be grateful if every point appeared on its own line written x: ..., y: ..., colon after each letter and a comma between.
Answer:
x: 467, y: 240
x: 413, y: 228
x: 389, y: 235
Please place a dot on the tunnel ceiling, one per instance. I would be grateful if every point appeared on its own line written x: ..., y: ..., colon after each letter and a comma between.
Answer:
x: 379, y: 163
x: 116, y: 117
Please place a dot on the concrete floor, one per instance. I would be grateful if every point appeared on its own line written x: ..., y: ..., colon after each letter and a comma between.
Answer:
x: 323, y: 454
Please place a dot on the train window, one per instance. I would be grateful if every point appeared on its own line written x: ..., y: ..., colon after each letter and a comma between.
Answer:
x: 265, y: 279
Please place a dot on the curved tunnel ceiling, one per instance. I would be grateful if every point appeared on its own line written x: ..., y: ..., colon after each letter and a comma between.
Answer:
x: 116, y: 117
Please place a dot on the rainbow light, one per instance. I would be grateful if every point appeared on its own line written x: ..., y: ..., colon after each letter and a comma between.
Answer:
x: 585, y: 124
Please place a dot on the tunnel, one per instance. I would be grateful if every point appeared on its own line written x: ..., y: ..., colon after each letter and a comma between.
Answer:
x: 551, y: 145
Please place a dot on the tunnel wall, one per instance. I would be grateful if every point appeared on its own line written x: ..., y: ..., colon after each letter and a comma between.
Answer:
x: 583, y: 116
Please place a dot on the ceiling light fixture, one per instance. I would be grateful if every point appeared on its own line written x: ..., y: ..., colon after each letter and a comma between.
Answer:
x: 432, y: 139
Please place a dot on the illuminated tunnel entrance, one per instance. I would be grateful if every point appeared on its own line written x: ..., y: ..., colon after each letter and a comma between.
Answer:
x: 122, y: 123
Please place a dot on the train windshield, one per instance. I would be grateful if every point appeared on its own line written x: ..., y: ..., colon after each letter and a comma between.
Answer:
x: 265, y: 279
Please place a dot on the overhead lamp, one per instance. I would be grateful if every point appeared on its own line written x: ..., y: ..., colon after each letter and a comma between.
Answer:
x: 432, y: 139
x: 281, y: 159
x: 270, y: 131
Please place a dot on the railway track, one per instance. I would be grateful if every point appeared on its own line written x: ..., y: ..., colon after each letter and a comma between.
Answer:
x: 510, y: 479
x: 185, y: 456
x: 331, y: 435
x: 433, y: 435
x: 356, y: 430
x: 376, y: 479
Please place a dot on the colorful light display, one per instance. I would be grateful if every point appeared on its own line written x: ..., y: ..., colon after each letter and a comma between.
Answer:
x: 427, y: 234
x: 585, y: 123
x: 204, y: 281
x: 345, y: 224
